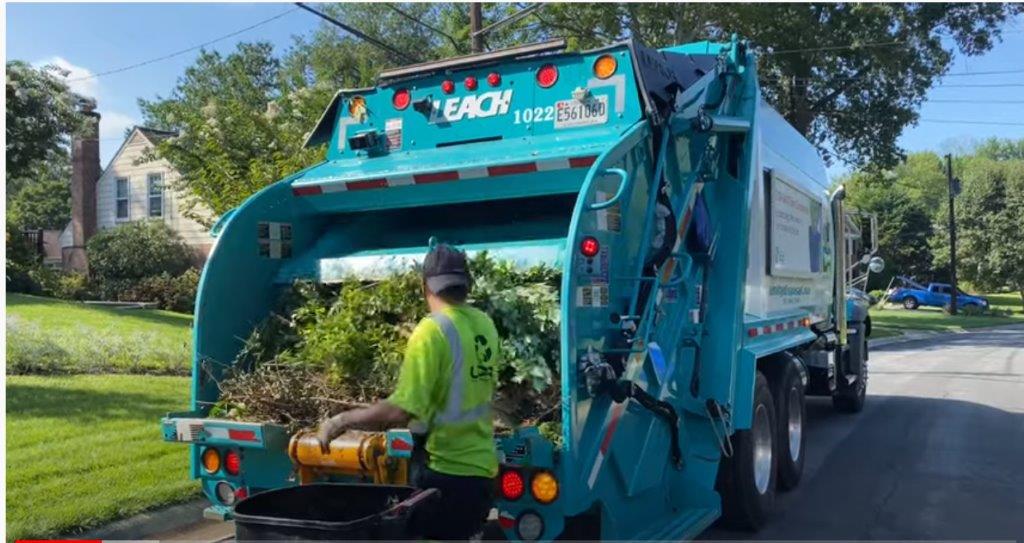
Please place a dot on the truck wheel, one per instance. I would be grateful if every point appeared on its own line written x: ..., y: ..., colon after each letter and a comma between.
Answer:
x: 910, y: 303
x: 849, y: 397
x: 791, y: 410
x: 746, y: 480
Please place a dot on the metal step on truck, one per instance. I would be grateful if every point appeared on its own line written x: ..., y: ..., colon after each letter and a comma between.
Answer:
x: 703, y: 296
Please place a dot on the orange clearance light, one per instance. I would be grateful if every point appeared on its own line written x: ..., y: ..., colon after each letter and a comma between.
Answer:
x: 512, y: 485
x: 232, y: 462
x: 547, y: 75
x: 401, y: 99
x: 544, y: 487
x: 605, y: 66
x: 211, y: 460
x: 447, y: 87
x: 589, y: 247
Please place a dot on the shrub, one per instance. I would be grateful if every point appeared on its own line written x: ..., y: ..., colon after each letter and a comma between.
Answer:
x: 137, y: 250
x: 170, y: 293
x: 21, y: 261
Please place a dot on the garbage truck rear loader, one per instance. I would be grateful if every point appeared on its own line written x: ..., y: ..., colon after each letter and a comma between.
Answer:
x: 703, y: 290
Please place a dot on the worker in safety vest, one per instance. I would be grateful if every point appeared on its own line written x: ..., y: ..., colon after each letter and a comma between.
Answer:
x: 445, y: 388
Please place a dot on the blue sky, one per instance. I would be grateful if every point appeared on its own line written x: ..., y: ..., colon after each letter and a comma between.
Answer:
x: 93, y: 38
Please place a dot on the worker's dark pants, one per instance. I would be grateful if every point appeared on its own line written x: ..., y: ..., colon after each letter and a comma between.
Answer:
x: 462, y: 510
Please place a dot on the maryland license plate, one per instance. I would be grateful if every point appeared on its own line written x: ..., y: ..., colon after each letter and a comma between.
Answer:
x: 573, y: 113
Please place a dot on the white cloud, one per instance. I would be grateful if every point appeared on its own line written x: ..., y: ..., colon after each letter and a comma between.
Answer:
x: 73, y: 75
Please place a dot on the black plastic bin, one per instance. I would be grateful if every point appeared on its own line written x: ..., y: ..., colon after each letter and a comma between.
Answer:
x: 330, y: 511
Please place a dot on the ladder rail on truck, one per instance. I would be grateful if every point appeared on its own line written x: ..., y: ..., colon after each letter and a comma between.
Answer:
x: 695, y: 231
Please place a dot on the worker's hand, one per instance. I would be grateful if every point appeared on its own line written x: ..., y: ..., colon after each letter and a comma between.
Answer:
x: 330, y: 429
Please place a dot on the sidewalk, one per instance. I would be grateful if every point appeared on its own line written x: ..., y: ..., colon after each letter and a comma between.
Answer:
x: 928, y: 334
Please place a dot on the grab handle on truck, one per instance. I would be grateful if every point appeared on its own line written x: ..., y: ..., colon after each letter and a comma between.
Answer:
x: 623, y: 184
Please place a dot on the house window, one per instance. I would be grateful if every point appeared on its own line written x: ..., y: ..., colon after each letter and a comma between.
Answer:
x: 122, y: 198
x: 155, y: 181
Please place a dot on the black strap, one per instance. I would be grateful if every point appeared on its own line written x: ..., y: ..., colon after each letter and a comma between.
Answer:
x: 623, y: 389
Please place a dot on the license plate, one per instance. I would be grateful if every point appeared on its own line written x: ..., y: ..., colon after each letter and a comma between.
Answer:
x: 573, y: 113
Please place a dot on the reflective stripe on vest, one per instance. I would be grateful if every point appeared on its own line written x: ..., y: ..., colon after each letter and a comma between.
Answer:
x: 453, y: 413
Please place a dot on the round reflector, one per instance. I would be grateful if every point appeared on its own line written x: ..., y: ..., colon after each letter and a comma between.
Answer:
x: 447, y: 87
x: 225, y: 493
x: 232, y: 462
x: 470, y: 83
x: 494, y: 79
x: 530, y: 526
x: 605, y: 66
x: 211, y: 460
x: 544, y: 487
x: 547, y: 75
x: 589, y: 246
x: 401, y: 99
x: 512, y: 485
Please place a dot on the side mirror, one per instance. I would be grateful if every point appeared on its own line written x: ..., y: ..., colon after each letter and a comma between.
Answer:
x: 876, y: 264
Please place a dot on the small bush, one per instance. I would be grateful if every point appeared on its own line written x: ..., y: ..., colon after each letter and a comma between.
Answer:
x: 137, y: 250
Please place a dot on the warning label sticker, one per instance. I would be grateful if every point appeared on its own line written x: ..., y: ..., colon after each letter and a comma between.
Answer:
x: 595, y: 295
x: 393, y: 133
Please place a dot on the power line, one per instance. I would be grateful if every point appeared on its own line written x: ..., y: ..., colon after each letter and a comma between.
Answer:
x: 979, y: 85
x: 950, y: 121
x: 994, y: 72
x: 357, y: 33
x: 976, y: 101
x: 183, y: 51
x: 834, y: 48
x: 422, y: 23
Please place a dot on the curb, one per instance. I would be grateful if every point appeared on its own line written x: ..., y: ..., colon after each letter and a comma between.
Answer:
x: 151, y: 522
x: 920, y: 335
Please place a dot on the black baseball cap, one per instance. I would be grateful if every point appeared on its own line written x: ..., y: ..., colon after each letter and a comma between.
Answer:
x: 445, y: 267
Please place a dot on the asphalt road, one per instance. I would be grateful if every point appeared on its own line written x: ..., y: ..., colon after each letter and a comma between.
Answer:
x: 937, y: 453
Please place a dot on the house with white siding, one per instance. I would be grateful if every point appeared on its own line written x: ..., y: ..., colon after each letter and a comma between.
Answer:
x: 134, y: 187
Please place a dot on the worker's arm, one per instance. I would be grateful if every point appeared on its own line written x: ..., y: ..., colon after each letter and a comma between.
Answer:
x: 382, y: 414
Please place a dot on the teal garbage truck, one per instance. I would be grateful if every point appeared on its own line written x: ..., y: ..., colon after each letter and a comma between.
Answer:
x: 703, y: 290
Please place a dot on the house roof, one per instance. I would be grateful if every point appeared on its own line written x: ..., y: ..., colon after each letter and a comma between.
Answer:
x: 152, y: 134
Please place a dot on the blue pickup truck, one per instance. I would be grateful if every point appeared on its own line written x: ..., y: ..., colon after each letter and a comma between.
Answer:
x: 914, y: 295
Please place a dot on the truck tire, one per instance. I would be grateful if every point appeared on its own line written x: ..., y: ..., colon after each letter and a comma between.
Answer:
x: 791, y: 412
x: 910, y: 303
x: 746, y: 480
x: 849, y: 397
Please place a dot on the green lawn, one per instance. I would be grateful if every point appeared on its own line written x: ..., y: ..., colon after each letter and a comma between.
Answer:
x: 45, y: 335
x: 86, y: 449
x: 894, y: 320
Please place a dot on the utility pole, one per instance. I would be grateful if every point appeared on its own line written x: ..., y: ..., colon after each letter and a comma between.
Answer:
x: 952, y: 234
x: 475, y: 24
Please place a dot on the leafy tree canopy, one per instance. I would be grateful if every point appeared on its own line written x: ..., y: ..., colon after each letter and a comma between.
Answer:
x: 41, y: 115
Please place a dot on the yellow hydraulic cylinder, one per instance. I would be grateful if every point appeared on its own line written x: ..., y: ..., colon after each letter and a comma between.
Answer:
x: 355, y: 454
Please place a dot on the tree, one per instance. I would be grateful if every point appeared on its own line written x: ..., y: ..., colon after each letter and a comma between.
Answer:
x: 904, y: 225
x: 41, y: 115
x: 849, y: 77
x: 43, y: 197
x: 238, y: 131
x: 990, y: 224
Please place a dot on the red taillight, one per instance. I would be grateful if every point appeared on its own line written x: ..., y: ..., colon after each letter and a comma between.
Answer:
x: 512, y: 485
x: 589, y: 246
x: 547, y: 75
x: 232, y: 463
x: 494, y: 79
x: 470, y: 83
x: 401, y: 99
x: 241, y: 493
x: 447, y: 87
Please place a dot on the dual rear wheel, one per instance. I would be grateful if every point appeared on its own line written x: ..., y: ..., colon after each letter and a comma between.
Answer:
x: 770, y: 455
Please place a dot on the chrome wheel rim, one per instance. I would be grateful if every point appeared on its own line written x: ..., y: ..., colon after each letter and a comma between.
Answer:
x: 796, y: 424
x: 762, y: 434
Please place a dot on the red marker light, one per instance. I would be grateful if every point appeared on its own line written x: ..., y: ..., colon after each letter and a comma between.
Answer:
x: 547, y: 75
x: 470, y: 83
x: 512, y: 485
x: 494, y: 79
x: 447, y: 87
x: 232, y: 463
x: 401, y: 99
x: 589, y: 246
x: 241, y: 493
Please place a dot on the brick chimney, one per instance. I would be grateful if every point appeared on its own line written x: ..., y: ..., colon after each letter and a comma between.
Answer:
x: 85, y: 172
